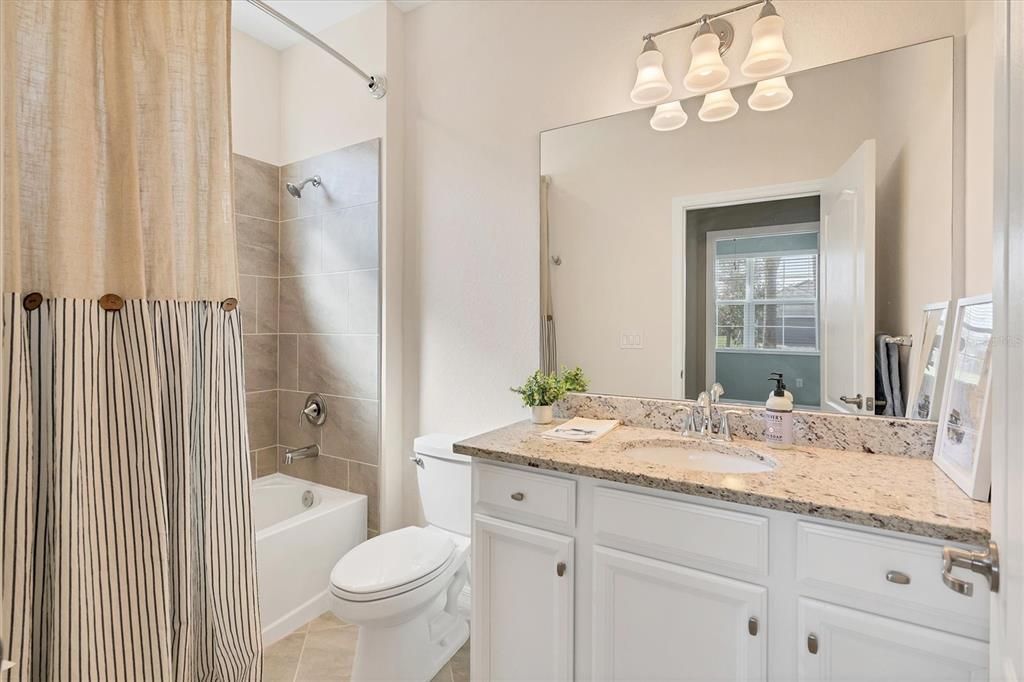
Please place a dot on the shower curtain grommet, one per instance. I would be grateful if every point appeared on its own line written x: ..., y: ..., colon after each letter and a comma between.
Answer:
x: 32, y: 301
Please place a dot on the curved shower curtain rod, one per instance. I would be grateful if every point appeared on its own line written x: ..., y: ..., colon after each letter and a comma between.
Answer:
x: 376, y: 84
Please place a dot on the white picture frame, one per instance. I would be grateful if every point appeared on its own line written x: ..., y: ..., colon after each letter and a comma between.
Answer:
x: 963, y: 439
x: 929, y: 359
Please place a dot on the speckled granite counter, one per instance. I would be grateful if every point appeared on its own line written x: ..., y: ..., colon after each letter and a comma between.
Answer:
x: 881, y: 491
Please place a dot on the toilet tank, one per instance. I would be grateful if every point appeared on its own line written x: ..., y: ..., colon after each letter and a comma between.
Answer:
x: 444, y: 482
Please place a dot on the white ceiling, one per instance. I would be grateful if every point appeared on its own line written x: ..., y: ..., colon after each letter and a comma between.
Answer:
x: 312, y: 15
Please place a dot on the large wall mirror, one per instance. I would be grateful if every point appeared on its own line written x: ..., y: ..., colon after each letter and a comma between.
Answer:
x: 784, y: 241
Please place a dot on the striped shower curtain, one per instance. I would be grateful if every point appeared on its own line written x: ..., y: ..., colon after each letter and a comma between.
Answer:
x: 126, y: 547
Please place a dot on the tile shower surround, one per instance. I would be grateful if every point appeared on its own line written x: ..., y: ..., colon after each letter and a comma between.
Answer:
x: 309, y: 271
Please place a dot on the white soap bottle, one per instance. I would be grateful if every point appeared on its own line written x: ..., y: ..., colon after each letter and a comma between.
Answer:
x: 778, y: 416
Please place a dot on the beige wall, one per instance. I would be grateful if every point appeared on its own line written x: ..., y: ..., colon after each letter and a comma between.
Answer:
x: 979, y: 146
x: 324, y: 105
x: 613, y: 182
x: 255, y: 99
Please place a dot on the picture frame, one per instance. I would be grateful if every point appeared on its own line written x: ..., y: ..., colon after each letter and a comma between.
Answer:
x: 963, y: 441
x: 929, y: 359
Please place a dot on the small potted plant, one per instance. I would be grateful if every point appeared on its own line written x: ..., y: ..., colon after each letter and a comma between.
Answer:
x: 540, y: 391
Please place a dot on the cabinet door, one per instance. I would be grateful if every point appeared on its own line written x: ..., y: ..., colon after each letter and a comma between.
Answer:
x: 854, y: 646
x: 522, y: 602
x: 654, y: 620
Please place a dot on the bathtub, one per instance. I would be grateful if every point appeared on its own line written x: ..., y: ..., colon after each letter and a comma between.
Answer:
x: 298, y: 545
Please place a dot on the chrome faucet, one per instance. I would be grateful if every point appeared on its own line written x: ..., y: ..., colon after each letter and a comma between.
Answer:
x: 702, y: 416
x: 301, y: 453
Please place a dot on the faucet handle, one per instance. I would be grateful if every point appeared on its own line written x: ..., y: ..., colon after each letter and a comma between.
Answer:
x: 724, y: 429
x: 690, y: 423
x: 717, y: 391
x: 704, y: 400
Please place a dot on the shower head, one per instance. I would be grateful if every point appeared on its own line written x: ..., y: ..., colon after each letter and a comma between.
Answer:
x: 296, y: 190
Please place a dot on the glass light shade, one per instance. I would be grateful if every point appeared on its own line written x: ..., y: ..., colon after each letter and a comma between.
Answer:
x: 651, y: 85
x: 718, y: 106
x: 770, y: 95
x: 707, y: 70
x: 669, y: 116
x: 768, y: 55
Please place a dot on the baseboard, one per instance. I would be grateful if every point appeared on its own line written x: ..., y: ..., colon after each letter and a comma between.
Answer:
x: 296, y: 618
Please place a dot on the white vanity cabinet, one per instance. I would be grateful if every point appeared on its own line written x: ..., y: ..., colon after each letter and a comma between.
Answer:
x: 585, y: 579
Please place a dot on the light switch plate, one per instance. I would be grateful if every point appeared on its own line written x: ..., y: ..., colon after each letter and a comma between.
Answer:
x: 631, y: 340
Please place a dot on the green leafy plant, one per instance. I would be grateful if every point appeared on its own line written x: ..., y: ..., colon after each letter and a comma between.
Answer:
x: 541, y: 389
x: 574, y: 380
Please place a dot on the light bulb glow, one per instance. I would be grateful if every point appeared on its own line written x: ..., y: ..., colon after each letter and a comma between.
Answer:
x: 651, y: 85
x: 707, y: 70
x: 669, y: 116
x: 718, y: 106
x: 770, y: 95
x: 768, y: 55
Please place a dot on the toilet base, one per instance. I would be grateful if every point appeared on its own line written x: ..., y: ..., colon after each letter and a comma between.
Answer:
x: 413, y: 651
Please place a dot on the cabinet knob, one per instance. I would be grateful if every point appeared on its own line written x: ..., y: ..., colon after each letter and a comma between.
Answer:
x: 898, y: 577
x: 752, y: 626
x: 812, y: 643
x: 560, y: 568
x: 518, y: 497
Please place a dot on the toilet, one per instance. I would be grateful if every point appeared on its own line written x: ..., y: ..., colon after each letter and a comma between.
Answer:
x: 407, y: 590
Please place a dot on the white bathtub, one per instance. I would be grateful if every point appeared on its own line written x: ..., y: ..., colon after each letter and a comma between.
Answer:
x: 297, y: 546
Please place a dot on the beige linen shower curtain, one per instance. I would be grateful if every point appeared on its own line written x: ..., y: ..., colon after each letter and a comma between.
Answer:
x: 126, y: 542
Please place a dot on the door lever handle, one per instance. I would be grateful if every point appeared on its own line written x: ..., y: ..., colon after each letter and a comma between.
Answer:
x: 984, y: 563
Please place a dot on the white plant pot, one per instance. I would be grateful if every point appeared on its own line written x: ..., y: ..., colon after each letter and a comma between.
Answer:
x: 542, y: 414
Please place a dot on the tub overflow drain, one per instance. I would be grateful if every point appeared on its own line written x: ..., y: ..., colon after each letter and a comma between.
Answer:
x: 307, y: 498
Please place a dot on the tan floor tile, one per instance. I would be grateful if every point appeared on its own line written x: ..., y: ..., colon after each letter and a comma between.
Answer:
x: 444, y: 674
x: 328, y: 655
x: 325, y: 621
x: 281, y: 659
x: 460, y: 664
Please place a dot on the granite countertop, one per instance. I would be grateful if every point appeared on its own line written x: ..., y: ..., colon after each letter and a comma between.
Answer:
x: 881, y: 491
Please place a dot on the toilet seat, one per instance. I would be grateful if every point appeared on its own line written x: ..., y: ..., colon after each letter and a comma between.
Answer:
x: 392, y: 564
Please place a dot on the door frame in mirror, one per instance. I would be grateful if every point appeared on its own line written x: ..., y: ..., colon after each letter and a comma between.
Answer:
x: 680, y: 206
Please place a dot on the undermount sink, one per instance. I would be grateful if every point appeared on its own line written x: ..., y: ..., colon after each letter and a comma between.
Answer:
x: 699, y: 456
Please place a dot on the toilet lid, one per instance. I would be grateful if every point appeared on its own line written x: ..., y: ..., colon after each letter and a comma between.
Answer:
x: 391, y: 560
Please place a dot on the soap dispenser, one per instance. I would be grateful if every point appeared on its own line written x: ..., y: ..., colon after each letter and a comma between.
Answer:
x: 778, y: 416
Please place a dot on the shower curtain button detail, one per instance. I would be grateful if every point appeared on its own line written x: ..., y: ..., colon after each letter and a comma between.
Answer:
x: 32, y: 301
x: 111, y: 302
x: 229, y: 304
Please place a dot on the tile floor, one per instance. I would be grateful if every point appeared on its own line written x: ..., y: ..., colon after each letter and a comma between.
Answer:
x: 322, y: 651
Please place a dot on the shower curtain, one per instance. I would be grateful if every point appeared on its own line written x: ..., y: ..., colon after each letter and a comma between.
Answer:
x: 126, y: 542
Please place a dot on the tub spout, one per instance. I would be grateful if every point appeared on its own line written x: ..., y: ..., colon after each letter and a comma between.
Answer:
x: 301, y: 453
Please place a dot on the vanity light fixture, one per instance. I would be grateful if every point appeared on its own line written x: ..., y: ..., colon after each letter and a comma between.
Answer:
x: 768, y: 55
x: 651, y: 85
x: 707, y: 70
x: 718, y: 106
x: 669, y: 116
x: 770, y: 95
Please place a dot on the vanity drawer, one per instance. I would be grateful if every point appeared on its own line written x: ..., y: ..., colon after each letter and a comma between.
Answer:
x: 694, y: 535
x: 886, y: 574
x: 522, y: 496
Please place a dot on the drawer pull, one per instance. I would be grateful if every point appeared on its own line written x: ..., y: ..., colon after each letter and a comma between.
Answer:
x: 752, y: 626
x: 518, y: 497
x: 812, y: 643
x: 898, y: 577
x: 560, y: 568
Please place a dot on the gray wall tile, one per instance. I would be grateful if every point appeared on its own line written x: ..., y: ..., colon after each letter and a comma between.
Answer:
x: 287, y: 357
x: 351, y: 239
x: 363, y: 479
x: 256, y: 188
x: 351, y: 176
x: 260, y: 353
x: 301, y: 246
x: 265, y: 461
x: 339, y: 365
x: 363, y: 301
x: 315, y: 304
x: 267, y: 305
x: 261, y: 409
x: 293, y: 428
x: 257, y: 246
x: 351, y: 429
x: 248, y: 303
